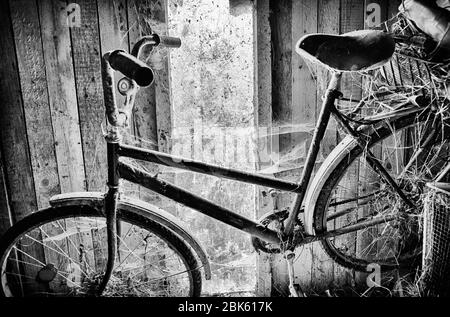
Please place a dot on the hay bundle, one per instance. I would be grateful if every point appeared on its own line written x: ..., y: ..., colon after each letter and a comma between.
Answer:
x: 411, y: 68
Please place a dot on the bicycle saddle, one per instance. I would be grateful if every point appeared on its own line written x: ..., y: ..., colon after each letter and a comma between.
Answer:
x: 353, y: 51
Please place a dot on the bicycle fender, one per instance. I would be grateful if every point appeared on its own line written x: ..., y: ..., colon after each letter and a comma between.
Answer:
x: 96, y: 200
x: 327, y: 167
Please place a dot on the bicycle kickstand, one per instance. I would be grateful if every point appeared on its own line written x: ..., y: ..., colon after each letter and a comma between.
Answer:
x: 294, y: 289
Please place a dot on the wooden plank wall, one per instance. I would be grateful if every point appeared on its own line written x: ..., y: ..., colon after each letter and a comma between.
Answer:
x: 51, y: 104
x: 295, y: 100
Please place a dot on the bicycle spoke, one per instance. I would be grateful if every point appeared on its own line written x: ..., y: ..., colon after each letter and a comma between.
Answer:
x: 58, y: 273
x: 162, y: 278
x: 75, y: 247
x: 149, y: 264
x: 356, y: 199
x: 63, y: 254
x: 130, y: 253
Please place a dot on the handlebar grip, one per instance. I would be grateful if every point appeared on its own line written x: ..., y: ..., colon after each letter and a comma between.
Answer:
x: 131, y: 67
x: 169, y: 41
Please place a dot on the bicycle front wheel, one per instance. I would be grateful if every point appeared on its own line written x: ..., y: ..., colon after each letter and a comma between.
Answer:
x: 348, y: 191
x: 63, y: 252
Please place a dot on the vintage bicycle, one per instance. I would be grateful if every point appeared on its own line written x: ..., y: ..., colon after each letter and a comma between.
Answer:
x: 368, y: 189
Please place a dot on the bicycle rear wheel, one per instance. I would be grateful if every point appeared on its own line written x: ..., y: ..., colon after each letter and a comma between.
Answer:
x: 63, y: 252
x: 347, y: 191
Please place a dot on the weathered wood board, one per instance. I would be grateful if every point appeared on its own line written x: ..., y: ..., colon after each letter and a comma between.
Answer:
x: 51, y: 107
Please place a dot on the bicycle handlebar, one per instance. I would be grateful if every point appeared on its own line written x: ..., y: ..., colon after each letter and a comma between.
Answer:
x: 131, y: 67
x: 168, y: 41
x: 155, y: 40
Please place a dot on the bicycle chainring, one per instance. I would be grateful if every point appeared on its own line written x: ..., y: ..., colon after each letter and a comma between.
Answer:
x: 273, y: 221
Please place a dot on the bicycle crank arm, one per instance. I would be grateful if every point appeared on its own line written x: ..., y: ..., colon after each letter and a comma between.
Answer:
x: 294, y: 289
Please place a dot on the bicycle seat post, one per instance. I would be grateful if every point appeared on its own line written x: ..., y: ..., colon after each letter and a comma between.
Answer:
x: 331, y: 95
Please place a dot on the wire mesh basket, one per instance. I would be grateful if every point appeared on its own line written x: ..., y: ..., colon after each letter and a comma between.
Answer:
x: 435, y: 280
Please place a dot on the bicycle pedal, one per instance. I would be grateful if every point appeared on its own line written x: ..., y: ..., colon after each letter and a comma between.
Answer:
x: 299, y: 290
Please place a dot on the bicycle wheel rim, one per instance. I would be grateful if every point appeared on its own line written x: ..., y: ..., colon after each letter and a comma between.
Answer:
x: 172, y: 271
x: 326, y: 201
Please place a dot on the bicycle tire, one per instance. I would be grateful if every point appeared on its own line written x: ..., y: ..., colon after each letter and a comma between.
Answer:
x: 333, y: 169
x: 46, y: 216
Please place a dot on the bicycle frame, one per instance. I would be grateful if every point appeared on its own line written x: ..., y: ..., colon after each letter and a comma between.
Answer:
x: 118, y: 169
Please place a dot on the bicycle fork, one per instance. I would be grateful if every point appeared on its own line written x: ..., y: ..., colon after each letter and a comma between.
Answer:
x: 111, y: 199
x: 114, y: 119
